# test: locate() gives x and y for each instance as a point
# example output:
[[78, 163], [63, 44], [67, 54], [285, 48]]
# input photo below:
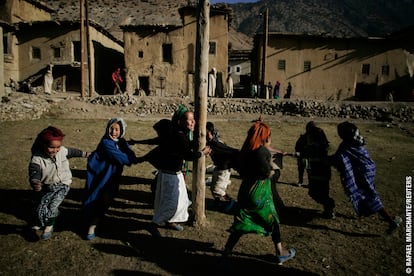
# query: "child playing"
[[50, 175], [312, 150], [171, 198], [105, 167], [357, 171], [257, 213], [224, 158]]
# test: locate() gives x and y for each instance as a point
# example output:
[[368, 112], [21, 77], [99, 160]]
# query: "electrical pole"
[[265, 37]]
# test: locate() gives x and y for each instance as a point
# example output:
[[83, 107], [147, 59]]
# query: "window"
[[76, 51], [306, 66], [167, 53], [7, 44], [238, 69], [57, 52], [365, 69], [385, 70], [281, 65], [140, 54], [212, 48], [36, 53]]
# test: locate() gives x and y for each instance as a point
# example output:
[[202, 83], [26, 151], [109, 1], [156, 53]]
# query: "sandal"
[[175, 226], [47, 235], [90, 237], [397, 221], [282, 259]]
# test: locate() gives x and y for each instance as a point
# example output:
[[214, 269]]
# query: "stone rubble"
[[21, 106]]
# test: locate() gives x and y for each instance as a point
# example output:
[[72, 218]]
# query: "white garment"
[[212, 79], [171, 199], [48, 82], [230, 87], [220, 181]]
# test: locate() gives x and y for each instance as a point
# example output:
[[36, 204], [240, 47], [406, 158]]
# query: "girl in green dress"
[[257, 212]]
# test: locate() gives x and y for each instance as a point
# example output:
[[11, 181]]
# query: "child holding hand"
[[50, 175], [105, 167], [358, 171]]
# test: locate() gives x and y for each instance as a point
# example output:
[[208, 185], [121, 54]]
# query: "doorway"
[[144, 84]]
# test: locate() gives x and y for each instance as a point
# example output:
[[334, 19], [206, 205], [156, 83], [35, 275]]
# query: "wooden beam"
[[200, 112]]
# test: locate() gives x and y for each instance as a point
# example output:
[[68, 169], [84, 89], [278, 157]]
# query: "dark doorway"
[[365, 91], [144, 84], [107, 61]]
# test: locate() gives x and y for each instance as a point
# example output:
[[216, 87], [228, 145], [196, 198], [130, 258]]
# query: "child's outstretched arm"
[[151, 141], [72, 152]]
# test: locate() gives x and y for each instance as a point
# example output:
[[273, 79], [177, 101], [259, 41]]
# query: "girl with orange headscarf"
[[257, 212]]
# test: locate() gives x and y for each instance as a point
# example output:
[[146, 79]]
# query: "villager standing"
[[212, 82], [117, 80], [288, 91], [48, 82], [276, 93], [257, 213], [269, 90], [229, 82], [253, 90]]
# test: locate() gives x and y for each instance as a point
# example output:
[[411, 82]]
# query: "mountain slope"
[[331, 17]]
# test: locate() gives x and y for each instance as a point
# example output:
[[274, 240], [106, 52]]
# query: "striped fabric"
[[358, 175]]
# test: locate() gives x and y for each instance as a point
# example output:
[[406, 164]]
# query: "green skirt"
[[257, 212]]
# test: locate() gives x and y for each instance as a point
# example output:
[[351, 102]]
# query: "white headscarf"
[[121, 123]]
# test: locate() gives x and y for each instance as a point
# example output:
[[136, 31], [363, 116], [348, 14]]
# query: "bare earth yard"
[[346, 245]]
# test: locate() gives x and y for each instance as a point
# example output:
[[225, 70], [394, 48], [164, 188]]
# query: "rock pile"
[[19, 106]]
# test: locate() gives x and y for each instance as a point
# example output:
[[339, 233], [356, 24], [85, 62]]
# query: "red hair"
[[256, 136], [51, 133], [45, 137]]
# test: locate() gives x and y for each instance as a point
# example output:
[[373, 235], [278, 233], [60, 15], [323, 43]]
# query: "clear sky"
[[231, 1]]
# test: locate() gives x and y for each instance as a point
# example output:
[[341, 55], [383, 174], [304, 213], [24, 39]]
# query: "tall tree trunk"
[[200, 100]]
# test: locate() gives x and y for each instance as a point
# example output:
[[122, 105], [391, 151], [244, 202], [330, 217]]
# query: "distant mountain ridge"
[[340, 18], [347, 18]]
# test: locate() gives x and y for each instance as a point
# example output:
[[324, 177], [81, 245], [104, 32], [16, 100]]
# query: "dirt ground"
[[345, 245]]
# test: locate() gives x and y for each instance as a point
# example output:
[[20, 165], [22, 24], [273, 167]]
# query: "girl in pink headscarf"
[[50, 176]]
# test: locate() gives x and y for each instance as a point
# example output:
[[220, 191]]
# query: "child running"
[[224, 158], [257, 212], [50, 175], [105, 167], [357, 171], [312, 152]]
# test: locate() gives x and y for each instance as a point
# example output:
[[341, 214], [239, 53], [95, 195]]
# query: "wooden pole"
[[82, 41], [200, 100], [88, 50], [265, 35]]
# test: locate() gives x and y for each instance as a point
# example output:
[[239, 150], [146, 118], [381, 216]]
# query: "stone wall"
[[20, 106], [385, 111]]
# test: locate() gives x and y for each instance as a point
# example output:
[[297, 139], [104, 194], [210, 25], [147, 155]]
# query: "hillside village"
[[153, 41]]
